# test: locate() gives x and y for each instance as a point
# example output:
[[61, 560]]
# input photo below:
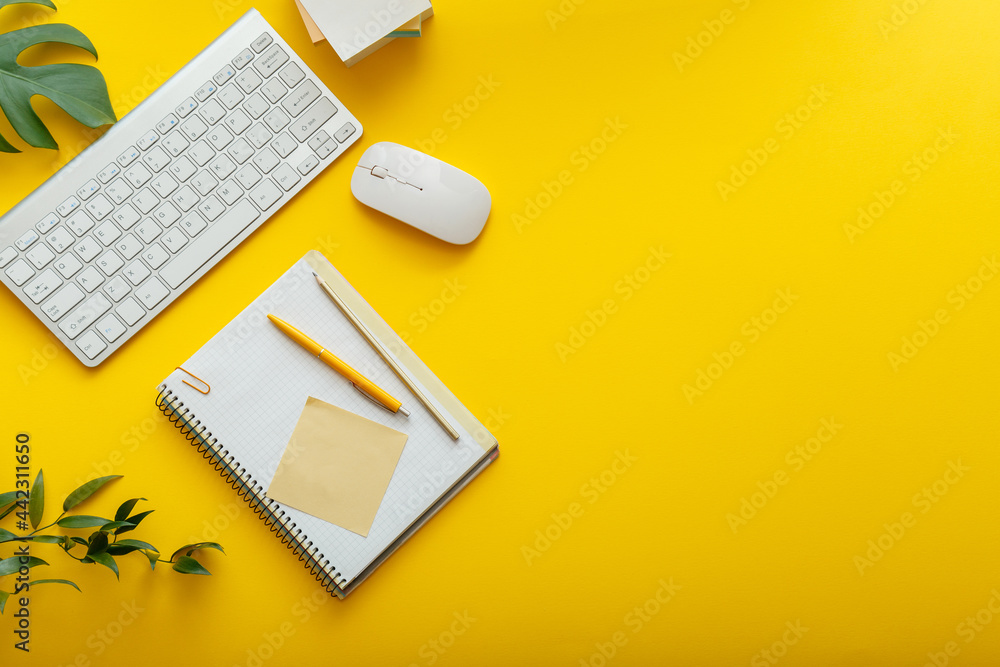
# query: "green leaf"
[[88, 489], [54, 581], [10, 496], [12, 564], [105, 560], [79, 540], [138, 544], [7, 511], [153, 558], [98, 543], [47, 3], [81, 521], [80, 90], [135, 520], [6, 536], [36, 502], [3, 600], [48, 539], [188, 549], [188, 565], [115, 525], [125, 508]]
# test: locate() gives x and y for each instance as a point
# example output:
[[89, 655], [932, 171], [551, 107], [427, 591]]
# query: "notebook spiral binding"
[[266, 509]]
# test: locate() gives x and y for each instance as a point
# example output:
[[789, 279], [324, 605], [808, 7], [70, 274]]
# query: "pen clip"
[[369, 397]]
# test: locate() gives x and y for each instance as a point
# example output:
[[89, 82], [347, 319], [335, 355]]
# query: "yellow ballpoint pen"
[[361, 383]]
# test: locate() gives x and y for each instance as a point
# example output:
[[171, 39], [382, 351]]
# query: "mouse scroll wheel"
[[380, 172]]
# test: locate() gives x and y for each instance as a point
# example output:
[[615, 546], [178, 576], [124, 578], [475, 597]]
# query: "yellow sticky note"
[[337, 466]]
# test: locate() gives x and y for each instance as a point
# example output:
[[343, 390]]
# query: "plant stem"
[[48, 526]]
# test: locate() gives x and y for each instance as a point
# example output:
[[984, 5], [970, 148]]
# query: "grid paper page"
[[260, 381]]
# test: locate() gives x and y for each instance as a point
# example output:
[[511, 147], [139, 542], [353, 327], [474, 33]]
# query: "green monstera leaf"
[[80, 90]]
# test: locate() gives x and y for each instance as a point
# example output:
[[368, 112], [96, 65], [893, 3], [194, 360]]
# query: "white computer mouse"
[[422, 191]]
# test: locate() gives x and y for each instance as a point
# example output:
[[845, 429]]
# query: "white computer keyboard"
[[102, 247]]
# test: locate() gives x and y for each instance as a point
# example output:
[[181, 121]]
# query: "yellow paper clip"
[[207, 388]]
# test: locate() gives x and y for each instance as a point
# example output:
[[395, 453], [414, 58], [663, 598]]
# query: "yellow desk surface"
[[733, 320]]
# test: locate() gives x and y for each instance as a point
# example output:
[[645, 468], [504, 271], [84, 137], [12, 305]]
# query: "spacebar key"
[[211, 241]]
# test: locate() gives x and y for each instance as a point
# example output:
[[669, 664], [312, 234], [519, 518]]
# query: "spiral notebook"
[[258, 382]]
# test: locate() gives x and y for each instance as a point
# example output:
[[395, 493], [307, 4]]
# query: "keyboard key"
[[242, 60], [248, 177], [224, 74], [186, 107], [126, 216], [256, 106], [80, 223], [91, 345], [301, 98], [270, 61], [185, 198], [204, 183], [175, 143], [88, 249], [166, 124], [129, 246], [27, 239], [64, 300], [72, 203], [284, 144], [230, 192], [174, 239], [209, 243], [60, 239], [194, 127], [46, 224], [274, 90], [258, 135], [110, 328], [137, 175], [130, 311], [119, 191], [90, 279], [265, 194], [164, 184], [291, 75], [145, 201], [222, 167], [321, 138], [67, 265], [261, 42], [99, 207], [205, 91], [151, 293], [155, 255], [211, 208], [212, 112], [7, 256], [166, 215], [156, 159], [147, 140], [266, 160], [308, 165], [220, 137], [85, 315], [286, 177], [88, 188], [129, 156], [136, 272], [241, 150], [344, 133], [148, 231], [107, 233], [109, 262], [20, 272], [117, 289], [230, 96], [193, 224], [248, 81], [201, 153], [105, 175], [276, 119], [326, 149], [182, 169], [238, 121], [40, 255], [311, 120], [43, 285]]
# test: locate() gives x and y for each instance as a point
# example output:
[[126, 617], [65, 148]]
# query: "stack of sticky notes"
[[357, 28]]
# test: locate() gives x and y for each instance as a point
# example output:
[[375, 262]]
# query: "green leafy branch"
[[80, 90], [101, 547]]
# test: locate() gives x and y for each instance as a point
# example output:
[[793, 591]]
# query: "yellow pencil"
[[362, 383]]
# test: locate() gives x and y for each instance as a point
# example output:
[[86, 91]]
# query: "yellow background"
[[561, 421]]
